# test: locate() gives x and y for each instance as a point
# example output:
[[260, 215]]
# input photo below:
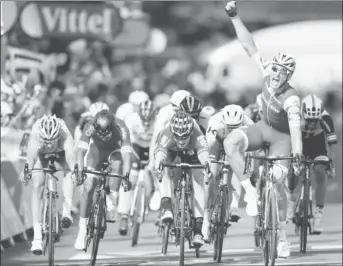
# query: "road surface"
[[325, 249]]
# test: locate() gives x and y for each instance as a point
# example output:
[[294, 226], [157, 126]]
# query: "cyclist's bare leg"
[[199, 202], [321, 181]]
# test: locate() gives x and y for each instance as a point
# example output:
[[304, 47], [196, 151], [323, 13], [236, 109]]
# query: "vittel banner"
[[71, 19]]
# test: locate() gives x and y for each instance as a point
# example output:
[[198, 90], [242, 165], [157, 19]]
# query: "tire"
[[165, 237], [98, 218], [139, 213], [221, 225], [182, 225], [273, 226], [265, 226], [51, 235], [304, 217]]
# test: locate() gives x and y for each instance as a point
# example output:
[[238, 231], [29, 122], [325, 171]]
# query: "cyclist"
[[102, 139], [319, 140], [220, 125], [280, 126], [86, 117], [182, 137], [163, 117], [135, 98], [254, 110], [140, 125], [49, 135]]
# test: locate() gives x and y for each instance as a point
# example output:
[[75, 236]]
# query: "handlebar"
[[183, 166], [310, 161], [51, 169], [269, 159], [224, 163], [127, 185]]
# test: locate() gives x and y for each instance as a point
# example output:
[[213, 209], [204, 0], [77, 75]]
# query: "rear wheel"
[[98, 218]]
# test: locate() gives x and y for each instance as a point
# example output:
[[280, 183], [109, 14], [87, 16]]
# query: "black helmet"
[[192, 106]]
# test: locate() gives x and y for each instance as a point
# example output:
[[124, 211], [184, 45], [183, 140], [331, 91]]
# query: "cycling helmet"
[[147, 111], [161, 100], [181, 125], [97, 107], [104, 123], [192, 106], [49, 127], [178, 96], [136, 97], [312, 107], [285, 61], [233, 115]]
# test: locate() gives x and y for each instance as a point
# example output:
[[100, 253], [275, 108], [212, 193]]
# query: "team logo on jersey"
[[202, 141]]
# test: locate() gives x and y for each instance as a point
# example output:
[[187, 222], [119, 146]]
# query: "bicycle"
[[266, 228], [96, 225], [220, 210], [51, 224], [185, 221], [303, 211], [139, 203]]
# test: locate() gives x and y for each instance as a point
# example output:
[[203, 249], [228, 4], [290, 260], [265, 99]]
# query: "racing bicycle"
[[220, 210], [267, 222], [51, 222], [139, 203], [185, 222], [96, 225], [303, 211]]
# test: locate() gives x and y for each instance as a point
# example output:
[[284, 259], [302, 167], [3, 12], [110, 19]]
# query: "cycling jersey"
[[252, 111], [315, 140], [138, 133], [124, 110], [196, 146], [41, 145], [217, 129], [276, 104], [120, 138]]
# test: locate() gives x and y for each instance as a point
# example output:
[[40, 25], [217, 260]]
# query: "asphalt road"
[[324, 249]]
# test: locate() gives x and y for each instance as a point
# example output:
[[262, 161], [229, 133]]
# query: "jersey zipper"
[[270, 98]]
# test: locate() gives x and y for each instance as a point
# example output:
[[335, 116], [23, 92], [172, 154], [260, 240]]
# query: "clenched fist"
[[231, 9]]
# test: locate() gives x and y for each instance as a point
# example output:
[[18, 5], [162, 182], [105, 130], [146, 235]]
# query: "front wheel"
[[221, 226], [98, 218], [165, 237], [182, 225], [138, 214], [271, 229], [52, 222], [304, 217]]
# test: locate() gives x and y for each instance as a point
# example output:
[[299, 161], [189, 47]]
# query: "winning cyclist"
[[104, 138], [280, 126], [126, 109], [221, 124], [49, 135], [182, 137], [319, 140], [141, 126]]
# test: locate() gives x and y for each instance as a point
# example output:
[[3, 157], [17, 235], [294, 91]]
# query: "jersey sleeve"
[[125, 134], [262, 64], [211, 132], [328, 127], [291, 101], [164, 141], [201, 143], [86, 135]]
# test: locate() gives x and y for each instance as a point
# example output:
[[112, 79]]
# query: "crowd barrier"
[[16, 215]]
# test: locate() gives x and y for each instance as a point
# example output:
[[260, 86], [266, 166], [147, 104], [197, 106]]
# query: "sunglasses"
[[279, 69]]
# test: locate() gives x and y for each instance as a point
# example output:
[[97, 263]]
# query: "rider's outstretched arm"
[[292, 107], [32, 151]]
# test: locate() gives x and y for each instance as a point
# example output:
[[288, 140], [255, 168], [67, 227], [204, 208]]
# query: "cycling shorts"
[[315, 146]]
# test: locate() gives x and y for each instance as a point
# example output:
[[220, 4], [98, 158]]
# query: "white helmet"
[[178, 96], [97, 107], [49, 127], [312, 107], [161, 100], [233, 115], [137, 97], [285, 61]]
